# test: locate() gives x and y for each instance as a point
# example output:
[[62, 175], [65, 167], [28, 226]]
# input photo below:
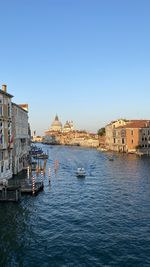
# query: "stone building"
[[21, 132], [56, 125], [68, 127], [130, 136], [68, 136], [112, 133], [6, 134], [138, 136]]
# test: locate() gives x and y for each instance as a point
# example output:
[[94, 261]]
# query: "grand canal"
[[101, 220]]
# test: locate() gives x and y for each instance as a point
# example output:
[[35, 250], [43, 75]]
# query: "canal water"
[[100, 220]]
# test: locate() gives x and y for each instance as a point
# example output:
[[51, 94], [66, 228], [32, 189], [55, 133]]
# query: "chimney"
[[4, 88]]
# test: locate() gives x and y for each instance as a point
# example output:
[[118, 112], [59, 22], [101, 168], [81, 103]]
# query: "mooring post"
[[42, 180], [49, 174], [33, 185], [28, 172]]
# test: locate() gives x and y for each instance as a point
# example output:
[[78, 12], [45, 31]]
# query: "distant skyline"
[[84, 60]]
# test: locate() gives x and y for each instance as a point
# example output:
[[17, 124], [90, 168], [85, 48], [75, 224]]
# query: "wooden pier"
[[11, 190], [27, 188], [10, 193]]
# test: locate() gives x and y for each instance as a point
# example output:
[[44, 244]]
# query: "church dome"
[[56, 124], [68, 126]]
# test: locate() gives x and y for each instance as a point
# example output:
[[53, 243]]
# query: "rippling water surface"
[[100, 220]]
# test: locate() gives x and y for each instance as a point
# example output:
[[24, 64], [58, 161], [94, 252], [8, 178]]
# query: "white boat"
[[80, 172]]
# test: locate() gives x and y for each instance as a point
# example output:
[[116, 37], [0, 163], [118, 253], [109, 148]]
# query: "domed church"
[[56, 125], [68, 127]]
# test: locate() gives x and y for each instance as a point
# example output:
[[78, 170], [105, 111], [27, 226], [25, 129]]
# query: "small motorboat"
[[41, 156], [111, 159], [80, 172]]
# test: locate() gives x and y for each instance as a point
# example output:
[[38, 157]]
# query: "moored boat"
[[40, 156]]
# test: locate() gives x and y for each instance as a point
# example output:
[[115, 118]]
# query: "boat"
[[80, 172], [36, 151], [111, 159], [40, 156]]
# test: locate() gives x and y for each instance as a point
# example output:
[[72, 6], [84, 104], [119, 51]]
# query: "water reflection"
[[102, 220], [13, 225]]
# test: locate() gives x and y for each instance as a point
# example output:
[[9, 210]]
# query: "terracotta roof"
[[136, 124], [19, 106]]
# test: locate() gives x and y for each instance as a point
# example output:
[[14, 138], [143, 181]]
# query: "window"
[[2, 168], [114, 140], [8, 110], [1, 110], [131, 132], [1, 137], [9, 135], [122, 140], [132, 141]]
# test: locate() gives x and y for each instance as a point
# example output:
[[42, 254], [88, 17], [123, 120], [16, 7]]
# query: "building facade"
[[56, 125], [68, 127], [6, 134], [138, 136], [21, 132], [130, 136], [113, 134]]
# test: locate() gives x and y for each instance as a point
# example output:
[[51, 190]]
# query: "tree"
[[101, 131]]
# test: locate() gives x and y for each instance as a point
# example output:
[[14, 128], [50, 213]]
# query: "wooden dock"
[[11, 190], [27, 185], [27, 188], [10, 193]]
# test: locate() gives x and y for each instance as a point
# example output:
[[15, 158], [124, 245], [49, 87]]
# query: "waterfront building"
[[138, 136], [6, 134], [22, 137], [118, 142], [132, 136], [51, 135], [113, 135], [68, 127], [102, 140], [68, 136], [36, 138], [56, 125], [33, 137]]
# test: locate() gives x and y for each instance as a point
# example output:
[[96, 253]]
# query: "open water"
[[100, 220]]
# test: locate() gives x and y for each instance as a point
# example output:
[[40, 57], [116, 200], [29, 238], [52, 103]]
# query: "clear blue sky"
[[86, 60]]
